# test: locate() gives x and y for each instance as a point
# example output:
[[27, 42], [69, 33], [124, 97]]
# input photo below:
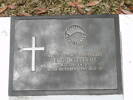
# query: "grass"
[[61, 7]]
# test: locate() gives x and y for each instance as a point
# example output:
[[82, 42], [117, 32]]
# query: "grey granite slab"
[[65, 55]]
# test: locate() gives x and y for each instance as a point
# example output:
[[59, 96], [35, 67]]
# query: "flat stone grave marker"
[[65, 55]]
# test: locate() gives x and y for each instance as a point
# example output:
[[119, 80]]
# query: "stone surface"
[[79, 54]]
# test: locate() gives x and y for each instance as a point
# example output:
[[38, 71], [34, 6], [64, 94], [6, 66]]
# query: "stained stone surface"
[[79, 53]]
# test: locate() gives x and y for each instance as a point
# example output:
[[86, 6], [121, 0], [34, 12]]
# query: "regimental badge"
[[75, 34]]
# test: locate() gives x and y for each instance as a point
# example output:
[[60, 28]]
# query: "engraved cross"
[[33, 49]]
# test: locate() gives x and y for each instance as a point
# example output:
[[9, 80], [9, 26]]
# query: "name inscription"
[[72, 63]]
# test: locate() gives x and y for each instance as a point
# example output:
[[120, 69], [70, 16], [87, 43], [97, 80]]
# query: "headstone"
[[65, 55]]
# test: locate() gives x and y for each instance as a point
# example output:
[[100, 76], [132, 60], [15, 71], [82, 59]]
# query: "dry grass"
[[61, 7]]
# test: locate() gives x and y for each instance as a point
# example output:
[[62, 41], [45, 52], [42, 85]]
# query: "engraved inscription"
[[71, 62]]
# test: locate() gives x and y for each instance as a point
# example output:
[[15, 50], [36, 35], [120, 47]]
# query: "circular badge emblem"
[[75, 34]]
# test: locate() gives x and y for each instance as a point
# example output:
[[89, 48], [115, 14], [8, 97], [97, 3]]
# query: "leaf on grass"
[[118, 12], [41, 11], [90, 12], [93, 3], [3, 9], [24, 14], [131, 8], [76, 4], [80, 10], [125, 11], [72, 4], [12, 6], [80, 6]]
